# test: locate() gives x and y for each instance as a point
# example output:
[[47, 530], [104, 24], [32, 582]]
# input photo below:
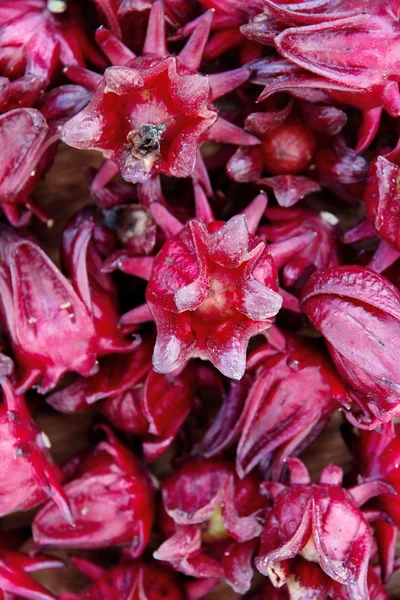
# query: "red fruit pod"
[[226, 294], [111, 504], [50, 328], [321, 522], [149, 114], [293, 396], [145, 138], [358, 312], [213, 520]]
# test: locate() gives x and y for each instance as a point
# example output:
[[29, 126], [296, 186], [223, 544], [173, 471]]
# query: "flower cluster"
[[200, 387]]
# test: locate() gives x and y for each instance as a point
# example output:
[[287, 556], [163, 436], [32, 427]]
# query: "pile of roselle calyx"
[[225, 288]]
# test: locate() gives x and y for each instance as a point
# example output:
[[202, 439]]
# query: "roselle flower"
[[38, 36], [28, 474], [320, 253], [292, 399], [213, 522], [358, 313], [226, 294], [322, 523], [111, 500], [149, 114], [136, 581], [50, 327], [15, 581], [337, 46]]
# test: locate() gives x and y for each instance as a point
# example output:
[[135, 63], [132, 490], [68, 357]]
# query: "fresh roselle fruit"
[[111, 501], [321, 522], [149, 114], [358, 313], [212, 521], [294, 394], [55, 326], [226, 294], [50, 327]]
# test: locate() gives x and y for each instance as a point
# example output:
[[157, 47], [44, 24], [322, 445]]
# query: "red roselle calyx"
[[212, 520], [294, 395], [54, 325], [226, 294], [149, 114], [358, 312], [323, 523], [111, 502]]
